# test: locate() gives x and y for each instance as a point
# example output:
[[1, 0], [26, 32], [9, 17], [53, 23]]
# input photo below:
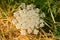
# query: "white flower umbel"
[[23, 32], [29, 30], [17, 26], [14, 21], [27, 19], [22, 5], [36, 31], [42, 25]]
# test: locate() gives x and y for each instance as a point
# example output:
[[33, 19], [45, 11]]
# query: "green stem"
[[52, 16], [51, 12]]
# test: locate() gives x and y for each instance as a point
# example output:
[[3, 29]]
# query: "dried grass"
[[9, 32]]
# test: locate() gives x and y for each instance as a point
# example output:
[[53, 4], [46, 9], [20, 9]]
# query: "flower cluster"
[[27, 19]]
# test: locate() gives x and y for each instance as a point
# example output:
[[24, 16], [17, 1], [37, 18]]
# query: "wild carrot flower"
[[27, 18]]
